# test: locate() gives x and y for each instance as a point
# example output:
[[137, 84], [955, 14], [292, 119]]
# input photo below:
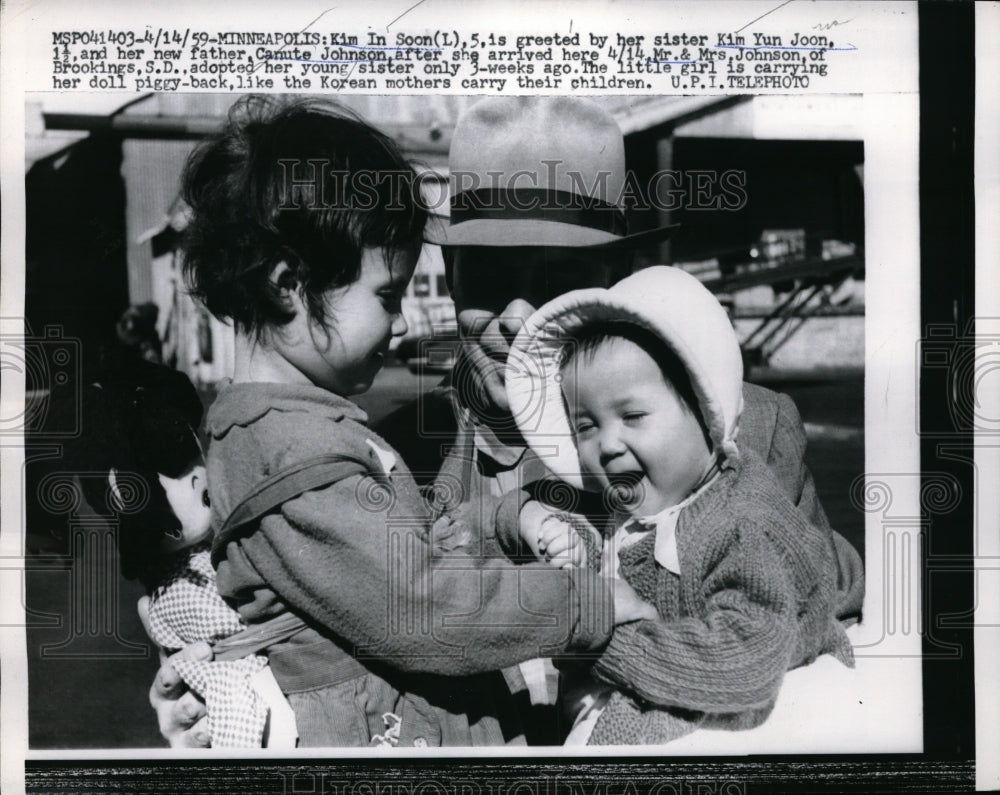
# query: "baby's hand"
[[530, 524], [556, 537], [560, 545]]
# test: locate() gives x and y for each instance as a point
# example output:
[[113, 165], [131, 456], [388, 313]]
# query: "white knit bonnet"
[[666, 301]]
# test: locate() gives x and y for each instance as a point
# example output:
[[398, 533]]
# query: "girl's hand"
[[449, 534], [628, 605], [181, 715]]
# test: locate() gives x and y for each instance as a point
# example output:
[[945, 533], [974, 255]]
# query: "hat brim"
[[533, 232]]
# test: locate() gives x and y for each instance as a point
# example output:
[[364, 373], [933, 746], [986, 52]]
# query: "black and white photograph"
[[583, 397]]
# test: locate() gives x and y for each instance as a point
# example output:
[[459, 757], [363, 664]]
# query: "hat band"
[[540, 204]]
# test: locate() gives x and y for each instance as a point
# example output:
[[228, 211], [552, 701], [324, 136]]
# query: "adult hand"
[[181, 715], [628, 605], [486, 341], [497, 288]]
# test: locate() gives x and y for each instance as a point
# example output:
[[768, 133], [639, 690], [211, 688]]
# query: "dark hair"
[[303, 182], [586, 341], [140, 424]]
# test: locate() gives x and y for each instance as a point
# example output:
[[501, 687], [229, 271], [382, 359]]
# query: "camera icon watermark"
[[51, 366]]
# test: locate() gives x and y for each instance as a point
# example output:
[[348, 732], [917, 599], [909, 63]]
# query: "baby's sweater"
[[755, 597]]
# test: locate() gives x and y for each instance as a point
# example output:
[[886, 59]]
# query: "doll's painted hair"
[[303, 182]]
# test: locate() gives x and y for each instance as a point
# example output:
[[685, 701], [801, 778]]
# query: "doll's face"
[[188, 496]]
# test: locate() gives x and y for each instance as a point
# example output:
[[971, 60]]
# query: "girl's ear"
[[286, 285]]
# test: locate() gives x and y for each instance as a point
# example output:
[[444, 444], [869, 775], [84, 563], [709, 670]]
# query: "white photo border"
[[893, 252]]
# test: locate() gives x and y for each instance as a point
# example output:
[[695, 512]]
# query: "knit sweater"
[[755, 597]]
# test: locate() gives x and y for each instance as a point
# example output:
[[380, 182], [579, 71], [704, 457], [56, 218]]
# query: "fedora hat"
[[538, 171]]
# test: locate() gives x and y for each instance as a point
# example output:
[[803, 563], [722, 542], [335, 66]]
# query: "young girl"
[[639, 390], [146, 468], [306, 229]]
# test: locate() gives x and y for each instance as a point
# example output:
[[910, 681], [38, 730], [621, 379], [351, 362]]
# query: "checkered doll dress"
[[187, 608]]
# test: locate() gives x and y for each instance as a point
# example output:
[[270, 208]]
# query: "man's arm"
[[788, 450], [421, 431]]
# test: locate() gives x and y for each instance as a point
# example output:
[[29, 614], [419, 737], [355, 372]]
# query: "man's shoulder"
[[430, 415], [761, 409], [772, 428], [761, 399]]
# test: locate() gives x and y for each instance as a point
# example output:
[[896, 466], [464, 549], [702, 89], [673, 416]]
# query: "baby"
[[645, 379]]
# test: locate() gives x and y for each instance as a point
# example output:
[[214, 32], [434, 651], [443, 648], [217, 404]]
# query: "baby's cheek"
[[586, 457], [594, 478]]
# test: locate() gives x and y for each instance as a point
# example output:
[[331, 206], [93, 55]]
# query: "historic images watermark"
[[315, 184]]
